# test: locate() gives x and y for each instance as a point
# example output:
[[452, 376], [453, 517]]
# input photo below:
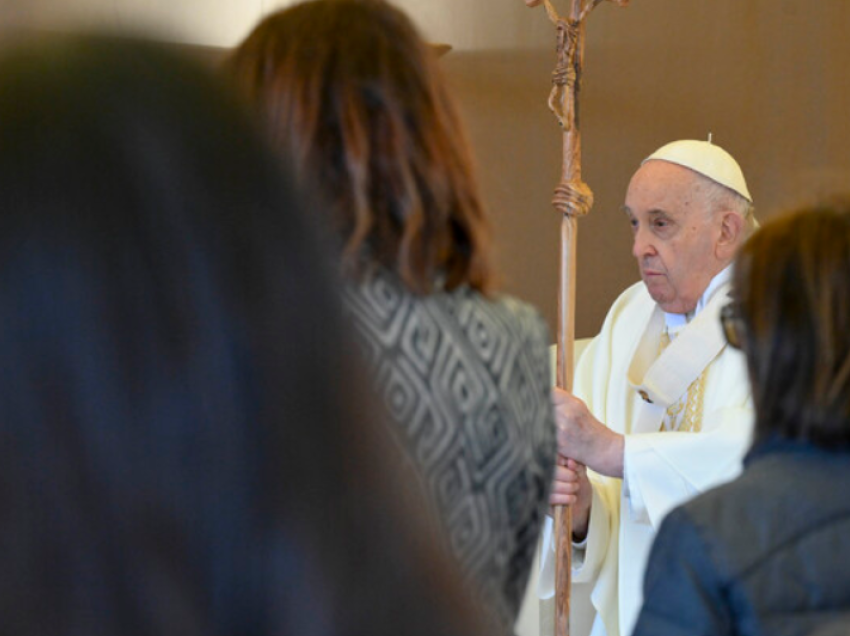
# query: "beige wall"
[[769, 78], [467, 24]]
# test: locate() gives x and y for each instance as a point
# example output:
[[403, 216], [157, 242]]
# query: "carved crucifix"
[[573, 198]]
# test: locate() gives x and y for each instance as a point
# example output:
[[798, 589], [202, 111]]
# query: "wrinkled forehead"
[[663, 186]]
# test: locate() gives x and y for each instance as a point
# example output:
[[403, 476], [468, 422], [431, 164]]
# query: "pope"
[[661, 408]]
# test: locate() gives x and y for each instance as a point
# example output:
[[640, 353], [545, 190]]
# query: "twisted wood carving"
[[573, 198]]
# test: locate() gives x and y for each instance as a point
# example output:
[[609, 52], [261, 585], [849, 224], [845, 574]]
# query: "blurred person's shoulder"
[[787, 493]]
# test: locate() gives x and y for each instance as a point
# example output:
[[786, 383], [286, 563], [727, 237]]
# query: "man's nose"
[[642, 244]]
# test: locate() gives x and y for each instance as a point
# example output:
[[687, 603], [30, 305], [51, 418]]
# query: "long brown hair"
[[356, 102], [792, 280], [188, 445]]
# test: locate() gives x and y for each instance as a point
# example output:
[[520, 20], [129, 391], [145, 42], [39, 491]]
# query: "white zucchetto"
[[706, 159]]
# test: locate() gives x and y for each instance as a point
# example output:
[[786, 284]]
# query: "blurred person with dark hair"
[[354, 99], [769, 553], [186, 446]]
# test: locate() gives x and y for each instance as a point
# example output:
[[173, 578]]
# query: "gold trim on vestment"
[[684, 415]]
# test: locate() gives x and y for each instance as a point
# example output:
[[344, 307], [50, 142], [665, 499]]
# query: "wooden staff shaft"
[[571, 173], [566, 334], [567, 271], [572, 198]]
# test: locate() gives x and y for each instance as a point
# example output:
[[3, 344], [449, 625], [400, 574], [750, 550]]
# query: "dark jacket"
[[767, 554]]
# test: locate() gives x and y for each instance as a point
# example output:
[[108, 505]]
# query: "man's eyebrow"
[[659, 212], [653, 212]]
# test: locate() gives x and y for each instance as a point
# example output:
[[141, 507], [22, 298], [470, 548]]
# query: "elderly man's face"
[[675, 235]]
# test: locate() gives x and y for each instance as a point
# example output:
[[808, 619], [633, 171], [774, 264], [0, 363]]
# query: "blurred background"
[[769, 80]]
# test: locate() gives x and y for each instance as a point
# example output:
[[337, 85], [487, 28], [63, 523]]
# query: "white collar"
[[675, 322]]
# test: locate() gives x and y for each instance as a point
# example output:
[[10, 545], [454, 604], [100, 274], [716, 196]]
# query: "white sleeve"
[[663, 470], [594, 370], [588, 555]]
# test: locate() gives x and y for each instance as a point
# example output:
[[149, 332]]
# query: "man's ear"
[[731, 235]]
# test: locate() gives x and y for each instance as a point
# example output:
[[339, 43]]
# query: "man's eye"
[[660, 223]]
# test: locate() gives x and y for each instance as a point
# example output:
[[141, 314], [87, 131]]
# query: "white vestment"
[[661, 469]]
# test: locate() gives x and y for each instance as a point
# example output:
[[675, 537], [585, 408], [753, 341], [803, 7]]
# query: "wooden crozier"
[[573, 198]]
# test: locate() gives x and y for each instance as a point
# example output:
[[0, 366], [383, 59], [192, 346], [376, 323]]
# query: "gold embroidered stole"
[[673, 376], [684, 415]]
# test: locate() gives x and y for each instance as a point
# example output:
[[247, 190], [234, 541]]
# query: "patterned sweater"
[[465, 379]]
